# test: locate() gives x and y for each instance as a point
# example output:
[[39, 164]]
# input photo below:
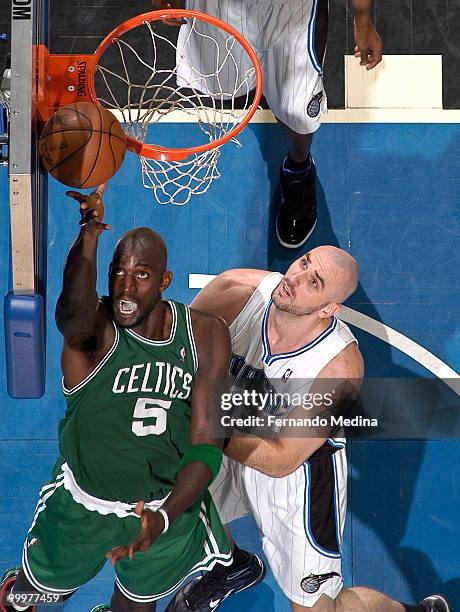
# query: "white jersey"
[[286, 373], [301, 516]]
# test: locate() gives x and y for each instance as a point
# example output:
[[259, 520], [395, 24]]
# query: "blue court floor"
[[390, 194]]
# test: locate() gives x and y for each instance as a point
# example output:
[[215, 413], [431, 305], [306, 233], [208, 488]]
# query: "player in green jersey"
[[136, 456]]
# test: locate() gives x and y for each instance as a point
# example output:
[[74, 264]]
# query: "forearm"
[[275, 458], [362, 8], [191, 481], [263, 455], [78, 301]]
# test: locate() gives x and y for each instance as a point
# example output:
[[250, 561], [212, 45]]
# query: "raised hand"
[[170, 4], [91, 209], [152, 525]]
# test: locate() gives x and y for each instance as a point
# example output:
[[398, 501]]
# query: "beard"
[[294, 309]]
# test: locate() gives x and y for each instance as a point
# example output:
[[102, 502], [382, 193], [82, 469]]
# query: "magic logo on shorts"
[[314, 106], [310, 584]]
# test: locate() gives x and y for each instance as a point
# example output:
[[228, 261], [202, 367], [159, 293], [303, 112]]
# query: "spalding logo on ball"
[[82, 145]]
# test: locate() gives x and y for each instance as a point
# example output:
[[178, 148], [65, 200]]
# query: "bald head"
[[343, 269], [146, 240]]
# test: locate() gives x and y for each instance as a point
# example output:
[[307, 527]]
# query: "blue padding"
[[24, 346]]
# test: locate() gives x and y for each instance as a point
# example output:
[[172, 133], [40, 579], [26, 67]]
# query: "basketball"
[[82, 145]]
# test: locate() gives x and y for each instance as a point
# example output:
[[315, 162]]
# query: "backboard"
[[25, 303]]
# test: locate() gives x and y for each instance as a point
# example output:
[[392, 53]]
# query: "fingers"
[[375, 58], [80, 197], [173, 22], [139, 507], [163, 4], [100, 189], [369, 58], [92, 216], [117, 553]]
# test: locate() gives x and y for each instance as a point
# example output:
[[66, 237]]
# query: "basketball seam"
[[96, 157], [77, 112], [114, 122], [82, 130], [70, 155]]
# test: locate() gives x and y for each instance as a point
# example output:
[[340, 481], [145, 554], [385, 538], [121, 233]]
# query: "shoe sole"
[[293, 246]]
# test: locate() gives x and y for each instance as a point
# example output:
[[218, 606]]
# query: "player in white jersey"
[[289, 37], [286, 338]]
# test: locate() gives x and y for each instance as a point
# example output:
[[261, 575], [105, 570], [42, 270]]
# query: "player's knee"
[[324, 604]]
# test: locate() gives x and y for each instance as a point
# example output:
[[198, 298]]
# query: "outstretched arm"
[[368, 42], [77, 305], [202, 461], [81, 319]]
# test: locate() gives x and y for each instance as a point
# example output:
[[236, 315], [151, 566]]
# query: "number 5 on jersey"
[[148, 408]]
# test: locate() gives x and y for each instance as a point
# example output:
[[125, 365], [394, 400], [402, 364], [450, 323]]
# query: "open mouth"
[[127, 307], [285, 289]]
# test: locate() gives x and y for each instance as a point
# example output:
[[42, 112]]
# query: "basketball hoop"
[[125, 74]]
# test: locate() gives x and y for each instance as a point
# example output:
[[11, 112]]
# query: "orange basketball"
[[82, 145]]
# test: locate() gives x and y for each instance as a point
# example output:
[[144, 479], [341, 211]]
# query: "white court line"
[[378, 329]]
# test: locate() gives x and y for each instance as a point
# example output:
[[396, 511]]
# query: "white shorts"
[[301, 518], [290, 41]]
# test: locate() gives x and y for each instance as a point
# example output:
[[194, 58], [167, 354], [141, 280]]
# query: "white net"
[[177, 94]]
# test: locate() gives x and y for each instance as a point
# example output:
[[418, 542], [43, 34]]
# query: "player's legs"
[[247, 570], [66, 544], [120, 603], [295, 93], [359, 599], [202, 49], [14, 584], [349, 601], [195, 542], [298, 144]]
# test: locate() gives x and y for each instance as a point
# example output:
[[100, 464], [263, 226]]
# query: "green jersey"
[[127, 425]]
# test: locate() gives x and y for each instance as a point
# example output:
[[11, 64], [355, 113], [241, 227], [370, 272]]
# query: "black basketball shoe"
[[296, 217], [6, 585], [436, 603], [207, 593]]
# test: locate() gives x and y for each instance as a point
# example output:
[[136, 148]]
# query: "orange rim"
[[164, 153]]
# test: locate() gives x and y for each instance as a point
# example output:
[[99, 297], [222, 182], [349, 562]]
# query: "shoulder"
[[243, 277], [239, 284], [207, 323], [347, 364], [227, 293], [212, 339]]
